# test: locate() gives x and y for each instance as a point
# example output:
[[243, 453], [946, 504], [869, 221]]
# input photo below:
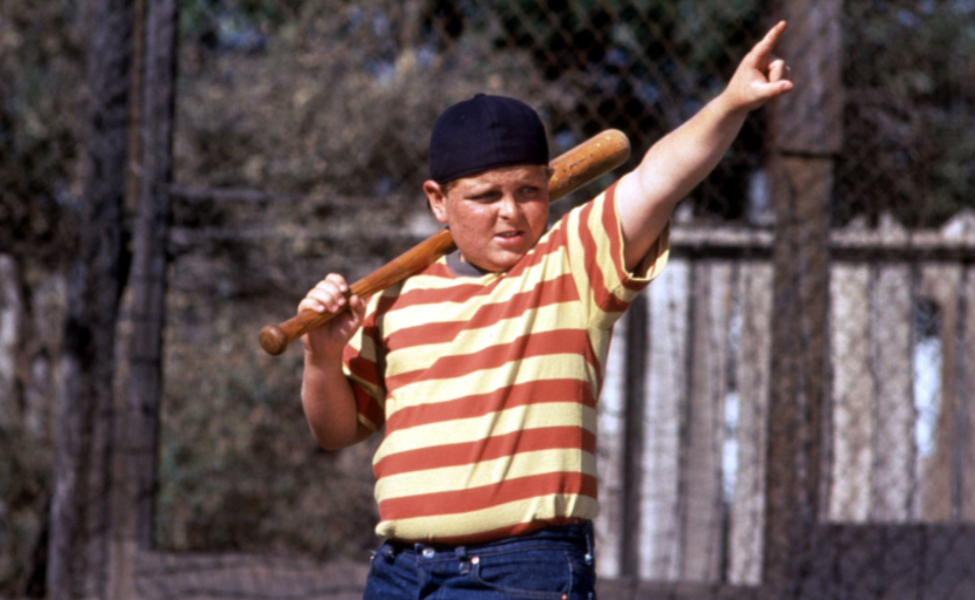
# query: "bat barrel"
[[570, 171]]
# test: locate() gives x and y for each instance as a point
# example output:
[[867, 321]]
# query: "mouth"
[[509, 237]]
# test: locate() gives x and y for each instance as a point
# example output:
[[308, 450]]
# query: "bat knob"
[[273, 340]]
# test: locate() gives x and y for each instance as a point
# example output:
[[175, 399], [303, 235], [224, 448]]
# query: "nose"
[[509, 207]]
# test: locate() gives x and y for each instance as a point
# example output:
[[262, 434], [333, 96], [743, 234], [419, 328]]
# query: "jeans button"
[[429, 552]]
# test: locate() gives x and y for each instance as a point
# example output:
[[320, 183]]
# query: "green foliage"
[[202, 20], [642, 67], [239, 469], [40, 74], [341, 102], [336, 98], [910, 110]]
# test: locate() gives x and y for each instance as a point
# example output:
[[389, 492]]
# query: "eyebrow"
[[482, 189], [489, 188]]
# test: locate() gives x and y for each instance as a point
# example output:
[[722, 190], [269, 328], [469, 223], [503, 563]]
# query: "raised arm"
[[678, 162], [326, 393]]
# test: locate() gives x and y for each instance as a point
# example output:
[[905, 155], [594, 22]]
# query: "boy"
[[485, 367]]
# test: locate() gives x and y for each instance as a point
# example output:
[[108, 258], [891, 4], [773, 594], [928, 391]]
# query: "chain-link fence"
[[327, 110], [335, 101], [789, 405]]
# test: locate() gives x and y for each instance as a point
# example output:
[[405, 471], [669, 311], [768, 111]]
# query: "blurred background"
[[789, 408]]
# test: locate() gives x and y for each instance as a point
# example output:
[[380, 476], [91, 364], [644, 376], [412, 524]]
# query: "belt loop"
[[461, 551]]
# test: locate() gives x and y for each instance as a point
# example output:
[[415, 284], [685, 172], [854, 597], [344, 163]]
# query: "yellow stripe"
[[505, 515], [367, 423], [364, 345], [377, 393], [447, 479], [537, 368], [646, 271], [430, 282], [460, 431], [469, 341], [448, 312]]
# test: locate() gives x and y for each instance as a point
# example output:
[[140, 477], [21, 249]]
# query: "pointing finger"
[[763, 49]]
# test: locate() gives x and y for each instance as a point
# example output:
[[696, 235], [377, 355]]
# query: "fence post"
[[83, 422], [806, 132], [137, 432]]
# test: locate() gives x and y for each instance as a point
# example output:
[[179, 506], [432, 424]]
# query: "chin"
[[504, 265]]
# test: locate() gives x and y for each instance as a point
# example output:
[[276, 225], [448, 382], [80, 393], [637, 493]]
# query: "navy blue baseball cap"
[[484, 133]]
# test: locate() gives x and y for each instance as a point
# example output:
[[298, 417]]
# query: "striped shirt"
[[487, 384]]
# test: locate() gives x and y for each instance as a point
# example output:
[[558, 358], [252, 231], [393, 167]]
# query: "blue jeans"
[[555, 563]]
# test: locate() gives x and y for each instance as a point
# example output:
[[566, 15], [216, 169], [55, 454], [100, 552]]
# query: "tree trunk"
[[79, 510], [138, 423], [807, 134]]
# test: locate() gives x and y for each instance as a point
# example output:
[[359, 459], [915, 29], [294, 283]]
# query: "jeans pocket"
[[538, 573]]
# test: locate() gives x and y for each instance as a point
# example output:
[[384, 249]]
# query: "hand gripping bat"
[[577, 167]]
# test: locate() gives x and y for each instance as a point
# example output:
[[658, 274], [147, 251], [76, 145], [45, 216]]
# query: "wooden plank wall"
[[704, 370]]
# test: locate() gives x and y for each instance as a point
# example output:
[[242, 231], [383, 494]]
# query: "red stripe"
[[358, 365], [601, 295], [368, 407], [465, 290], [553, 243], [438, 269], [478, 405], [612, 228], [593, 360], [655, 252], [455, 293], [488, 496], [526, 346], [361, 367], [469, 453], [614, 234], [545, 293], [387, 300]]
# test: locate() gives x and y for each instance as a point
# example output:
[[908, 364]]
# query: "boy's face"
[[495, 217]]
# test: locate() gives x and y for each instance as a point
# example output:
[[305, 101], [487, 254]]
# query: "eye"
[[485, 197]]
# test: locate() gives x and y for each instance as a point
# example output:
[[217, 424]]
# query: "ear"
[[437, 199]]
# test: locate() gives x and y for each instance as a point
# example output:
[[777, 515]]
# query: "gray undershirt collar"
[[462, 268]]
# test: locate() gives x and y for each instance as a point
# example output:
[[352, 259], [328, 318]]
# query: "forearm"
[[329, 403], [678, 162], [670, 170], [326, 393]]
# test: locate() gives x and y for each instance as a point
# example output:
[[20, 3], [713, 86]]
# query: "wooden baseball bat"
[[595, 157]]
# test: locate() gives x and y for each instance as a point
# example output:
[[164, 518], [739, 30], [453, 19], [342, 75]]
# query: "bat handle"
[[275, 339]]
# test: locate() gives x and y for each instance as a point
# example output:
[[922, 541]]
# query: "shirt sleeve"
[[363, 365], [596, 251]]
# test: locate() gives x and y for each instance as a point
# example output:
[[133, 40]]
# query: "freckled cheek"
[[472, 231], [538, 220], [479, 224]]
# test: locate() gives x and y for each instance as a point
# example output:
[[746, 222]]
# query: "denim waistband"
[[576, 533]]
